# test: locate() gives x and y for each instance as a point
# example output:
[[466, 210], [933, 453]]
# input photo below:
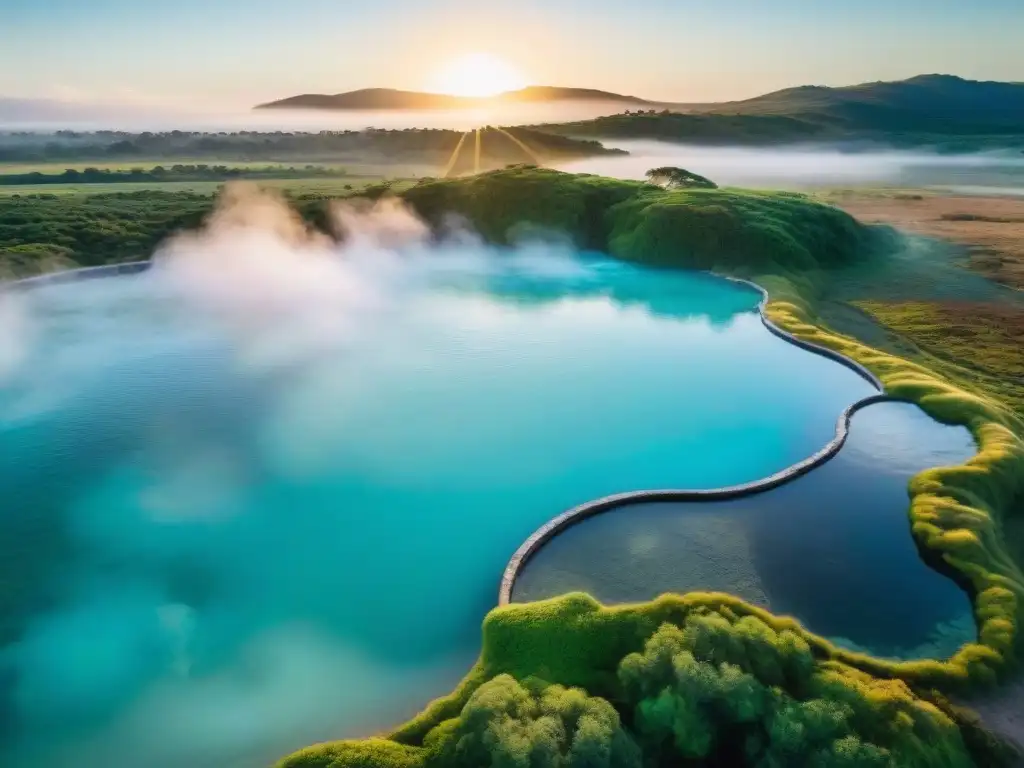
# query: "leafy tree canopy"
[[671, 177]]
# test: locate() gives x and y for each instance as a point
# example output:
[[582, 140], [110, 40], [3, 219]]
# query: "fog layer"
[[810, 166]]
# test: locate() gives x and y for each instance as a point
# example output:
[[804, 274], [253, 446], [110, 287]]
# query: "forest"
[[176, 172], [409, 145]]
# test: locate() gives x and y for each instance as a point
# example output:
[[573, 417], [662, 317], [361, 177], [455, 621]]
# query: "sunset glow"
[[477, 74]]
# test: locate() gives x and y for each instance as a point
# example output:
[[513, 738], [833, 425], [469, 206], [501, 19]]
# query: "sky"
[[233, 53]]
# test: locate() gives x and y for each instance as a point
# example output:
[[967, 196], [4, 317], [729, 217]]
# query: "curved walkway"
[[85, 273], [577, 514]]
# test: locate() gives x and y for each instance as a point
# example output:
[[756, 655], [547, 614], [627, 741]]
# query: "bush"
[[742, 693], [507, 725]]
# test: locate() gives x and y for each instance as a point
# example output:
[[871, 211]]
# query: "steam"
[[15, 331], [195, 626], [258, 488]]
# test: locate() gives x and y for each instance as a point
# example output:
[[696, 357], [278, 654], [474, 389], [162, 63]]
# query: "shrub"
[[742, 693], [506, 724]]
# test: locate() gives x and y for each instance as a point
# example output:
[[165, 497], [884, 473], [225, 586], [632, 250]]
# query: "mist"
[[47, 116], [801, 167], [192, 623]]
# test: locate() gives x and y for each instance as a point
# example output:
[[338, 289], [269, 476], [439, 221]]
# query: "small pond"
[[832, 548]]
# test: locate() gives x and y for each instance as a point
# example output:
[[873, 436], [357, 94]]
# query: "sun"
[[477, 74]]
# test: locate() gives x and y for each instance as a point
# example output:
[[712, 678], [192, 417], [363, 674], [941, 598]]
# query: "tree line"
[[430, 145], [177, 172]]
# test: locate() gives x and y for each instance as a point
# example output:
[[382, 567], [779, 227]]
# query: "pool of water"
[[240, 517], [832, 548]]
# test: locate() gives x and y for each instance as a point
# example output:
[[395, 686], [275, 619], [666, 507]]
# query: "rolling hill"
[[390, 98], [940, 103], [942, 110]]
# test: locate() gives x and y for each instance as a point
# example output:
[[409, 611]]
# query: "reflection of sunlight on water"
[[892, 442]]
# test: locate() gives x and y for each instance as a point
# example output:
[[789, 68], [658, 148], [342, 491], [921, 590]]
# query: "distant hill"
[[389, 98], [940, 110], [936, 103]]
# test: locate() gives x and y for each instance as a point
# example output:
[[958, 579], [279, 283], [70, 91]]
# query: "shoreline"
[[588, 509]]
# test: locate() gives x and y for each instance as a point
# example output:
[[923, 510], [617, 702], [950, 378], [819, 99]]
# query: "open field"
[[357, 166], [977, 345], [338, 186], [357, 175], [56, 166], [934, 300], [991, 229]]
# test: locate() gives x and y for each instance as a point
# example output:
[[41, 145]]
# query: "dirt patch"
[[991, 229]]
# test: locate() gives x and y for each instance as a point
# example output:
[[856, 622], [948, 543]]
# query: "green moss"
[[700, 676], [726, 230], [503, 205], [369, 753]]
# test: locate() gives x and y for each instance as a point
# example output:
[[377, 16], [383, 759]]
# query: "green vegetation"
[[671, 177], [413, 145], [335, 187], [176, 172], [44, 232], [701, 680], [975, 344], [731, 231], [86, 231]]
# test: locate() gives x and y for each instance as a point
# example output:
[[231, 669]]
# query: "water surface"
[[242, 518], [832, 547]]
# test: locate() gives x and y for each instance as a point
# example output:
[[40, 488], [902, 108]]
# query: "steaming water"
[[827, 547], [262, 495]]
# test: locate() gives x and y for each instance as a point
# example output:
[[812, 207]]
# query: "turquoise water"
[[832, 547], [239, 521]]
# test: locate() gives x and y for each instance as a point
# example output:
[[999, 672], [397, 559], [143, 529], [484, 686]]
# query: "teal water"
[[832, 548], [231, 529]]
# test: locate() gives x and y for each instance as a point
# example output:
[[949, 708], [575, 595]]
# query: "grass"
[[975, 344], [57, 166], [337, 187]]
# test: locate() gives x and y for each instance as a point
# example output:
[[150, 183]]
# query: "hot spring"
[[263, 493]]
